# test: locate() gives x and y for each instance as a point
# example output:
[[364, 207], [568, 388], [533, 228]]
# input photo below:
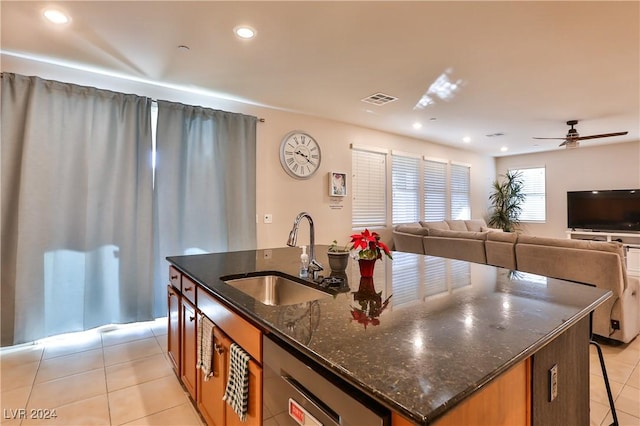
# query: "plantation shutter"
[[369, 189], [406, 186], [533, 186], [435, 190], [460, 192]]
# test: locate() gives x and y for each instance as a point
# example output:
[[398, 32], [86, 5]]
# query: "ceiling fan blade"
[[562, 144], [604, 135], [551, 138]]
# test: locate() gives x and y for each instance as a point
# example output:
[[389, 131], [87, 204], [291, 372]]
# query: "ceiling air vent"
[[379, 99]]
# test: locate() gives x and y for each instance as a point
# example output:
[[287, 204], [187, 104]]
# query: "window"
[[534, 206], [435, 190], [369, 189], [460, 192], [405, 172]]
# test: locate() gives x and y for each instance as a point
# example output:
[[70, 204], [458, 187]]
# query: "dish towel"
[[236, 393], [205, 346]]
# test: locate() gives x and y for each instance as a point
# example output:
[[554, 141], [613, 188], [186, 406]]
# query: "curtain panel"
[[205, 185], [76, 208]]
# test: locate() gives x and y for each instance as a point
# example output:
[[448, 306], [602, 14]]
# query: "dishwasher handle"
[[311, 398]]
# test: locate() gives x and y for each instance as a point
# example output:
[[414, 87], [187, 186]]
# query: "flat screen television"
[[610, 210]]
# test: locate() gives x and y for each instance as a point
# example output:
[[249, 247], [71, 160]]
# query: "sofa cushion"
[[475, 225], [487, 229], [468, 249], [458, 234], [457, 225], [613, 247], [441, 224], [412, 228], [505, 237]]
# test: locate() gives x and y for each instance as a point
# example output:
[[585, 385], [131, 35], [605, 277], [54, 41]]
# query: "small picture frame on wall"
[[337, 184]]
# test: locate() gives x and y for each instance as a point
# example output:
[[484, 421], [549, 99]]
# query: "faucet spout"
[[314, 265]]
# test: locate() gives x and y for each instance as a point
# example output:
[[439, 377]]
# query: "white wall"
[[277, 193], [611, 166]]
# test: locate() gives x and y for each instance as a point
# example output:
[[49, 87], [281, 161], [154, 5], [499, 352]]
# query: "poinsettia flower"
[[369, 245]]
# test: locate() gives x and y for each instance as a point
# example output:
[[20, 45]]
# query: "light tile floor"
[[121, 375], [117, 375]]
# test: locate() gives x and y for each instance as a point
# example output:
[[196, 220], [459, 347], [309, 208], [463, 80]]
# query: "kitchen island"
[[427, 334]]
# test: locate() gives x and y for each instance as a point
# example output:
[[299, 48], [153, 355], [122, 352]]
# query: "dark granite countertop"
[[449, 328]]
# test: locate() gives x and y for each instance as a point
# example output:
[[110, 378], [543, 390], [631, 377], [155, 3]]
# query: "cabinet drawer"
[[189, 289], [237, 328], [174, 277]]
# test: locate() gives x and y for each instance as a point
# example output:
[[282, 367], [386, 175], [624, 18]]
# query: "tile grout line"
[[106, 385], [33, 382]]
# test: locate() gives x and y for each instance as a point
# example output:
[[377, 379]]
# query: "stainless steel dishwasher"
[[295, 394]]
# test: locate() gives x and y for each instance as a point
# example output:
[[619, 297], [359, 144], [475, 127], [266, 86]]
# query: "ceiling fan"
[[573, 138]]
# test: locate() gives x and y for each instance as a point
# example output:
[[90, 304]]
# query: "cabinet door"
[[254, 410], [173, 337], [189, 351], [210, 392]]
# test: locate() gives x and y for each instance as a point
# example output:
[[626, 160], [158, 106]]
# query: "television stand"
[[630, 240]]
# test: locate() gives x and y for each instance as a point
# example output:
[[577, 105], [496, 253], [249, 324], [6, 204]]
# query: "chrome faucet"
[[314, 265]]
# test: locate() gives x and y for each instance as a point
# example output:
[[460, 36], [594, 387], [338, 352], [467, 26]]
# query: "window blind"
[[435, 190], [369, 189], [533, 186], [460, 192], [405, 185]]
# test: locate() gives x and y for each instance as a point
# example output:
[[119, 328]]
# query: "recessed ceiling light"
[[244, 32], [466, 139], [504, 149], [56, 16], [417, 126]]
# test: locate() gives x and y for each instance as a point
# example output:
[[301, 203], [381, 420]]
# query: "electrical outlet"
[[268, 254], [268, 218], [615, 324], [553, 382]]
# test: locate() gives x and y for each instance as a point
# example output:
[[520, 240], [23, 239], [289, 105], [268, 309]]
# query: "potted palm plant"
[[338, 256], [506, 200]]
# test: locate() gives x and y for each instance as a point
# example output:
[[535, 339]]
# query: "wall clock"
[[300, 154]]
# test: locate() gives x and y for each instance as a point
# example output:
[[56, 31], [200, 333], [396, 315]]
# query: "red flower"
[[369, 245]]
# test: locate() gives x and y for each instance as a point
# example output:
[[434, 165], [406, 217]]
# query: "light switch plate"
[[268, 218]]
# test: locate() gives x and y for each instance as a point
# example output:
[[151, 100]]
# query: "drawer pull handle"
[[188, 289], [174, 277], [218, 348], [192, 318]]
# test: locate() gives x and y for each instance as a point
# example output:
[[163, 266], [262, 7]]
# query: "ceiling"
[[512, 70]]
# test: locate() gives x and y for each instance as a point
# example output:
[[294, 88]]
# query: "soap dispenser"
[[304, 262]]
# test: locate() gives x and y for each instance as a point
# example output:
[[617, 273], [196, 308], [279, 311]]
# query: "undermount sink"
[[275, 290]]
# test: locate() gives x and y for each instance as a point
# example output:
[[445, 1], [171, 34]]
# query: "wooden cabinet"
[[569, 403], [186, 301], [210, 402], [174, 326], [216, 411], [188, 370], [254, 409]]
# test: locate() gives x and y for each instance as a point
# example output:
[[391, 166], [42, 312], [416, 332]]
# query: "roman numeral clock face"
[[300, 155]]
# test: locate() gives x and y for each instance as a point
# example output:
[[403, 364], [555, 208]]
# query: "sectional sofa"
[[602, 264]]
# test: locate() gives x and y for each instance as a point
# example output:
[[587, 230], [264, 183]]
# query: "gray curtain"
[[205, 185], [76, 208]]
